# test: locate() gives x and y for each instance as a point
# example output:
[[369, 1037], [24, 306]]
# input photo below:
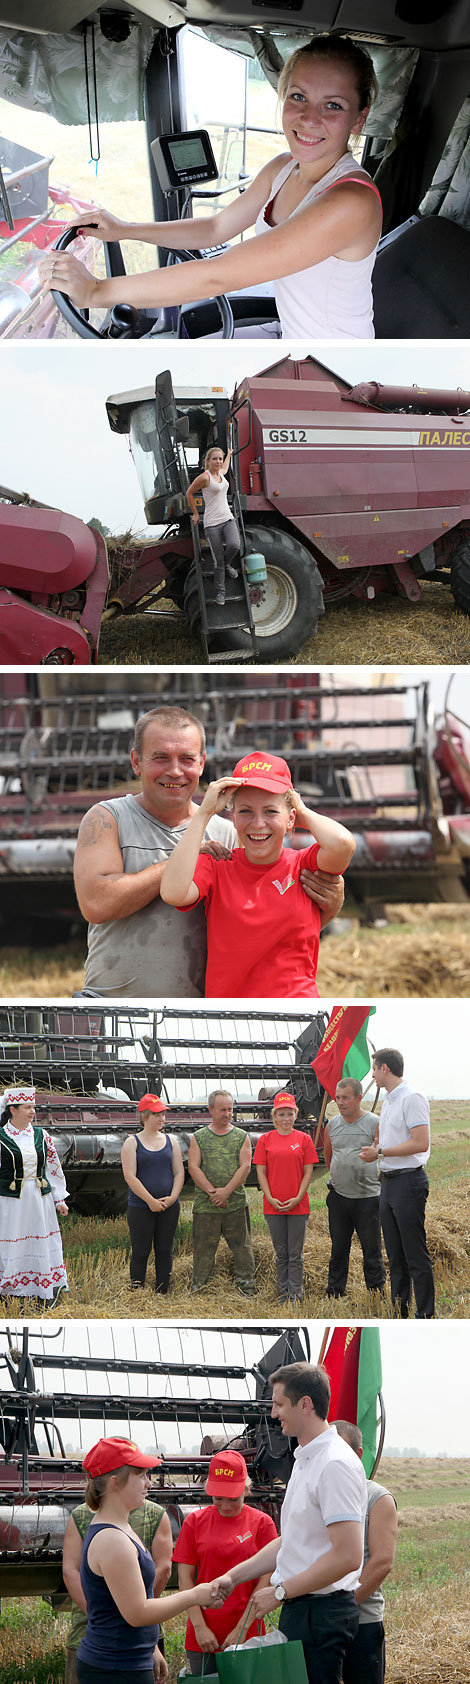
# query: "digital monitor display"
[[187, 153]]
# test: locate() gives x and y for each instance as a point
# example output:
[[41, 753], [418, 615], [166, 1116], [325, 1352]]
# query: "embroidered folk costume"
[[31, 1185]]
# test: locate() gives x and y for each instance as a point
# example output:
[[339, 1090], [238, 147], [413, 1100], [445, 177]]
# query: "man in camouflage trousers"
[[219, 1163]]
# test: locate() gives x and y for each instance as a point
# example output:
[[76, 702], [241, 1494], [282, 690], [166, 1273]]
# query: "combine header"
[[90, 1068], [374, 758], [165, 1385], [337, 491]]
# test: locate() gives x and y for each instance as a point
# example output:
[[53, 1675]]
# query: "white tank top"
[[216, 509], [332, 299]]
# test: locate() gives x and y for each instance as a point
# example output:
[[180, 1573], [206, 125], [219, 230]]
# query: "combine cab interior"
[[162, 67]]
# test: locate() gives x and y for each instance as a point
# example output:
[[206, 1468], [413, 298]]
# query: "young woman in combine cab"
[[316, 216], [118, 1574], [32, 1191], [153, 1168]]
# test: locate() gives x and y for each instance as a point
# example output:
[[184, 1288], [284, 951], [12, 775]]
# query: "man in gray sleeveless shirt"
[[137, 945], [365, 1661], [353, 1197]]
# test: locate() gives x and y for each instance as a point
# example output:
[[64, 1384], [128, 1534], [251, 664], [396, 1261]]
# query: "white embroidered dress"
[[31, 1258]]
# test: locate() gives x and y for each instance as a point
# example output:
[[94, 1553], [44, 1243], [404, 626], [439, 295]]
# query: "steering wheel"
[[124, 321]]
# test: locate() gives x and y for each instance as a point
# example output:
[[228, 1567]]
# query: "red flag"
[[342, 1364], [342, 1030], [354, 1368]]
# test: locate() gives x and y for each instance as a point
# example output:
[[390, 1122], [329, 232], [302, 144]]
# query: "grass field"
[[422, 952], [427, 1594], [97, 1252]]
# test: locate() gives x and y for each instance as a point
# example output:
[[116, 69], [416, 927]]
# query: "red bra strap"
[[361, 182], [360, 179]]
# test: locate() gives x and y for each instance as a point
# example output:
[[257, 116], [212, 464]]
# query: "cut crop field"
[[426, 1596], [421, 952], [385, 632], [96, 1250]]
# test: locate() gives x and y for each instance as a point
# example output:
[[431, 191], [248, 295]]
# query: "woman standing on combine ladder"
[[220, 528]]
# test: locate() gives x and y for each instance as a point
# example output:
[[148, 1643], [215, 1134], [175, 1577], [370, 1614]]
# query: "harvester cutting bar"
[[121, 1365], [186, 1069], [316, 751], [157, 1411], [79, 1053], [71, 1487], [178, 690], [178, 1117], [89, 1024], [47, 1477], [237, 1016]]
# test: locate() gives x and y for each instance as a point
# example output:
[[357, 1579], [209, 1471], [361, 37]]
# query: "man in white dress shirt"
[[315, 1565], [402, 1146]]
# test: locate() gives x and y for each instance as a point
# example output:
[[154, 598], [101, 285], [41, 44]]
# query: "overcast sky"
[[433, 1035], [55, 439], [426, 1374]]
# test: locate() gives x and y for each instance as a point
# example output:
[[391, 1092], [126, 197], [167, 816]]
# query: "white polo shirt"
[[403, 1110], [327, 1484]]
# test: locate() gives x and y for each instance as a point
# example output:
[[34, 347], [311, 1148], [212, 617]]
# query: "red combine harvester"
[[376, 758], [90, 1068], [338, 491]]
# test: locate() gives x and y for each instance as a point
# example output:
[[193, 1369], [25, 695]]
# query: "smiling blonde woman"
[[317, 216]]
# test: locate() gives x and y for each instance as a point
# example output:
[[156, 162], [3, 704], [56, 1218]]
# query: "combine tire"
[[460, 576], [285, 610]]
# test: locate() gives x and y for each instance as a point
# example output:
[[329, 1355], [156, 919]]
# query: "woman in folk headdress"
[[32, 1190]]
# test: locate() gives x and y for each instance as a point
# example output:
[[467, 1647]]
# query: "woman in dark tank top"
[[153, 1168], [118, 1574]]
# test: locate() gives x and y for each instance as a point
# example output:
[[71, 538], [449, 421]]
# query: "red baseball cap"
[[264, 771], [281, 1099], [150, 1102], [112, 1453], [227, 1475]]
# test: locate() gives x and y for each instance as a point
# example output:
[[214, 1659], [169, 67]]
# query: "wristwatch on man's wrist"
[[280, 1593]]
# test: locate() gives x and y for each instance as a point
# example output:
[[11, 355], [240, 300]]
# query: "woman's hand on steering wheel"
[[76, 291], [101, 225], [60, 272]]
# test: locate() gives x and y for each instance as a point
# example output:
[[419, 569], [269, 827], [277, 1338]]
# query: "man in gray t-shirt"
[[365, 1661], [137, 944], [353, 1195]]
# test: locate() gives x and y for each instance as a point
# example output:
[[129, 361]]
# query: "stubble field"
[[420, 952]]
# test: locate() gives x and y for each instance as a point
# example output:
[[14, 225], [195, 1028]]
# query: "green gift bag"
[[280, 1663]]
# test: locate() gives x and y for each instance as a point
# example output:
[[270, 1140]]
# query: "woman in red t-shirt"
[[284, 1160], [211, 1541]]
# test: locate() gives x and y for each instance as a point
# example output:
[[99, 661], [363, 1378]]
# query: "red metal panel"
[[338, 463], [44, 550], [28, 633]]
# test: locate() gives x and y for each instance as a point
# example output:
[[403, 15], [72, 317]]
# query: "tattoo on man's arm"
[[93, 826]]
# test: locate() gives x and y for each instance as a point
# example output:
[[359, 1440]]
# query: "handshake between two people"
[[262, 1602]]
